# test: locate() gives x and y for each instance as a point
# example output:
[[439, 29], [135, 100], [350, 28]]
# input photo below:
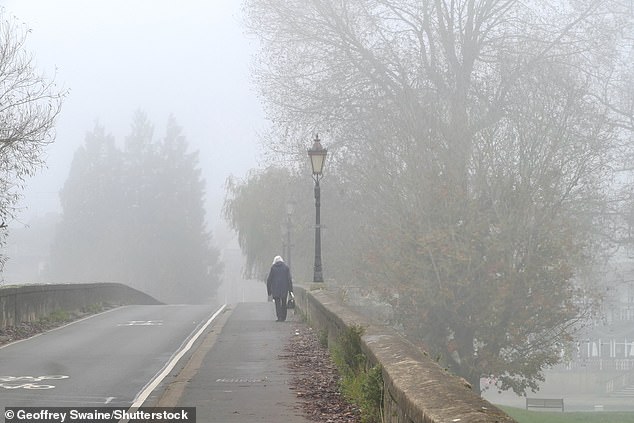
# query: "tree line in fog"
[[136, 215], [132, 214]]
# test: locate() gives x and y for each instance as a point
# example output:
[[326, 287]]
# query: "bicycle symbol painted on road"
[[26, 382]]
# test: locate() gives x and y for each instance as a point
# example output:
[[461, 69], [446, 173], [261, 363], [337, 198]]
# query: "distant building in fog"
[[608, 343]]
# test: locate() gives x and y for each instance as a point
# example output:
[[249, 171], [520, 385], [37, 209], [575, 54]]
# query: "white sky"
[[189, 58]]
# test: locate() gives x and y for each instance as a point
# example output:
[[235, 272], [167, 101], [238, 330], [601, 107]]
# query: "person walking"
[[278, 284]]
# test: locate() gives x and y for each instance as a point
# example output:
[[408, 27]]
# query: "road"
[[106, 359]]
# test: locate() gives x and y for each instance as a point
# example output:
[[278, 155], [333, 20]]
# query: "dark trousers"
[[280, 308]]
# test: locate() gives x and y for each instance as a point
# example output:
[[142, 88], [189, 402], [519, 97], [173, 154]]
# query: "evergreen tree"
[[88, 233], [137, 216], [183, 241]]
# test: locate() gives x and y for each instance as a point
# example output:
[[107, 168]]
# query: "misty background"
[[187, 60], [493, 171], [190, 60]]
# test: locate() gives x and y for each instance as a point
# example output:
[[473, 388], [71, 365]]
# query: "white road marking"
[[158, 378], [60, 327], [142, 323], [29, 379]]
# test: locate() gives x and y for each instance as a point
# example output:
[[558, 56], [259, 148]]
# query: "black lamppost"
[[285, 237], [317, 156], [286, 231]]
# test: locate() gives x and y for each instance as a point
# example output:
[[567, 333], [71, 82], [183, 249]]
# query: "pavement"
[[235, 373]]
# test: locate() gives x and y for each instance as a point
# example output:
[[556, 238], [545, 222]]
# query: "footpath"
[[236, 374]]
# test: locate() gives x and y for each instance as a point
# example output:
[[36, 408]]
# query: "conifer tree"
[[137, 216]]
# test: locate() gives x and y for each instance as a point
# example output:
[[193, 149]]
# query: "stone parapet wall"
[[416, 388], [27, 303]]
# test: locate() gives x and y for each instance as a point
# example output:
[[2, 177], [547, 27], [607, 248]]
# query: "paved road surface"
[[106, 359]]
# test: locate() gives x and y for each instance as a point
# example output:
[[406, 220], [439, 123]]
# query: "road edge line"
[[175, 389], [158, 378], [81, 319]]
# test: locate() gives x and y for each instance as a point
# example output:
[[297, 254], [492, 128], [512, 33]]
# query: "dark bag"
[[291, 301]]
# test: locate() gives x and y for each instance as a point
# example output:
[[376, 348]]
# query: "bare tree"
[[478, 138], [29, 104]]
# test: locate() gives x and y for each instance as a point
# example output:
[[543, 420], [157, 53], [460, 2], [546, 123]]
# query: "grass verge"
[[361, 384], [526, 416]]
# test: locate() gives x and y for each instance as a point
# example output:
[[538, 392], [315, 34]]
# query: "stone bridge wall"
[[416, 389], [28, 303]]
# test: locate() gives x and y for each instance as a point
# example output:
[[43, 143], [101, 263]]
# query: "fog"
[[190, 59], [479, 171]]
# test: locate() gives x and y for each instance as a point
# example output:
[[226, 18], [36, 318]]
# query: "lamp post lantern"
[[317, 156]]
